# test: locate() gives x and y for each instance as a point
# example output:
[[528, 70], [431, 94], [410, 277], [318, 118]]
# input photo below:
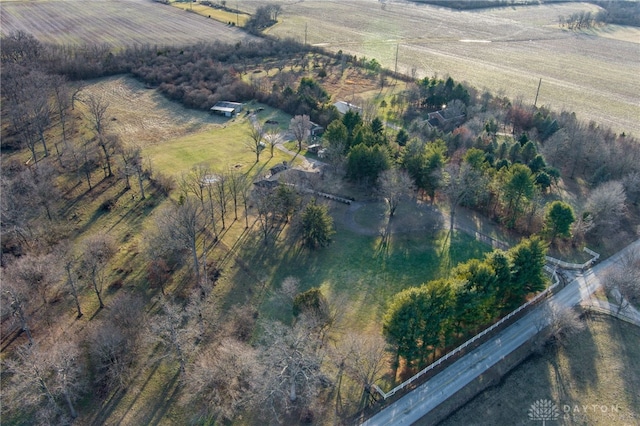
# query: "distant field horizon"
[[593, 73], [506, 51]]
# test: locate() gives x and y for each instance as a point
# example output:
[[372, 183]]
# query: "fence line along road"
[[429, 395], [502, 245], [401, 386]]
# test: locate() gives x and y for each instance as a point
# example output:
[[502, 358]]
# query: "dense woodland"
[[508, 160]]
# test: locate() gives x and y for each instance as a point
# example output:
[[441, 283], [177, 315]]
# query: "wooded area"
[[514, 163]]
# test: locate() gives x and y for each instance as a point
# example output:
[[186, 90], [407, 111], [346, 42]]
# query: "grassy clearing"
[[145, 117], [361, 271], [598, 367], [222, 148]]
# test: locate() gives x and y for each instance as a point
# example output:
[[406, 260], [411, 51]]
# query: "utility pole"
[[396, 68], [537, 92], [305, 33]]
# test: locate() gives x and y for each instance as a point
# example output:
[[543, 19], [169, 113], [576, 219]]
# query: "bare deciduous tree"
[[237, 182], [563, 322], [113, 341], [394, 185], [97, 250], [461, 184], [221, 380], [623, 281], [273, 138], [39, 273], [131, 165], [256, 134], [97, 113], [171, 329], [363, 358], [45, 378], [88, 161], [292, 358], [183, 225], [631, 184], [264, 201], [69, 261], [220, 187], [606, 204], [300, 126], [16, 300]]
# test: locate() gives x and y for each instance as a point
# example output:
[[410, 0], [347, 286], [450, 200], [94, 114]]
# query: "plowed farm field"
[[505, 50], [117, 23]]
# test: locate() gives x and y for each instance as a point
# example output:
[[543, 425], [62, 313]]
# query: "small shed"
[[228, 109]]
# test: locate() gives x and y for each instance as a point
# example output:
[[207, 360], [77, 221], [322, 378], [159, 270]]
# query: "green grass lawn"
[[360, 273], [223, 147]]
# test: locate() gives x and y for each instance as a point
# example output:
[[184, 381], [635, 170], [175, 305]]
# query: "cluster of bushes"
[[619, 12]]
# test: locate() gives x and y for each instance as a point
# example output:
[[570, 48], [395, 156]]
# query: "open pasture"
[[116, 23], [143, 116], [507, 50], [175, 138]]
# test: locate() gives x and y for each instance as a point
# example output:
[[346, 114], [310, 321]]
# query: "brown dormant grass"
[[593, 379], [145, 117], [117, 23]]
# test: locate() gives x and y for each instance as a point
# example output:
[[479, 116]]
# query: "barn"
[[228, 109]]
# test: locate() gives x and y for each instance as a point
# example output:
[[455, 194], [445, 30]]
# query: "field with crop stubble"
[[117, 23], [505, 50]]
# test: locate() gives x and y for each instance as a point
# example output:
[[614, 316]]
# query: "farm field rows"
[[117, 23], [593, 73], [506, 50]]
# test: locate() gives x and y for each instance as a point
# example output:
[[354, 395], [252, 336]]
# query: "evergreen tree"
[[317, 225], [527, 263], [558, 219]]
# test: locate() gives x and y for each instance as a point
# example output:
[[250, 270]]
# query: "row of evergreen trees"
[[423, 320]]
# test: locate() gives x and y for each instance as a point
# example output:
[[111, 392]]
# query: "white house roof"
[[226, 106], [222, 109], [344, 107]]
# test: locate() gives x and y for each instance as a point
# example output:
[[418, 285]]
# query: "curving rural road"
[[417, 403]]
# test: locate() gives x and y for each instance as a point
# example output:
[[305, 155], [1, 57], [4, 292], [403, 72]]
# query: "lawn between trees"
[[243, 267]]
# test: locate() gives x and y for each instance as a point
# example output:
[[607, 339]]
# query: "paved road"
[[429, 395]]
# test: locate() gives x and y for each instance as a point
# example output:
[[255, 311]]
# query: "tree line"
[[470, 165], [423, 321]]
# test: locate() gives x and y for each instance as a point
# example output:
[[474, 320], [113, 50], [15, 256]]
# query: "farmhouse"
[[315, 129], [228, 109], [344, 107], [443, 118]]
